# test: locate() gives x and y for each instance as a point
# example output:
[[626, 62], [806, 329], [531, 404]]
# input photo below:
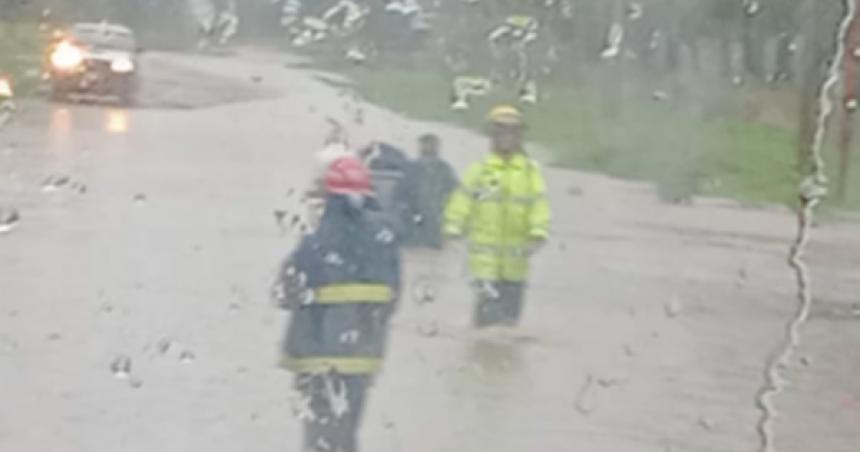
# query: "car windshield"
[[105, 37], [430, 225]]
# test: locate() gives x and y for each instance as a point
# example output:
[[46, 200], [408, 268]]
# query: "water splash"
[[812, 191]]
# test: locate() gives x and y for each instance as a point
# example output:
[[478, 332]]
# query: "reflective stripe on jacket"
[[501, 206]]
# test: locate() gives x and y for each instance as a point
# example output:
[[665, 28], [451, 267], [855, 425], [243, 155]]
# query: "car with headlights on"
[[95, 59]]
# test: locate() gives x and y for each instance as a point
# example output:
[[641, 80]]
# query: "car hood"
[[108, 55]]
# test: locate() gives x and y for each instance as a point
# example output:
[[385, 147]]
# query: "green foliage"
[[20, 46]]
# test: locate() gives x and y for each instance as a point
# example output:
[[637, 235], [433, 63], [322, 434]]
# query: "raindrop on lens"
[[350, 337], [673, 308], [163, 345], [187, 357], [9, 219], [121, 367]]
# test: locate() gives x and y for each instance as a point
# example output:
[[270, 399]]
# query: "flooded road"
[[135, 312]]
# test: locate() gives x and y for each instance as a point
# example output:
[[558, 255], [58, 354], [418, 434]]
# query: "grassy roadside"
[[20, 54], [680, 151]]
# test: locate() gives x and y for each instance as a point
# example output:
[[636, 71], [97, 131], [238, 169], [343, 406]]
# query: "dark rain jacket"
[[436, 181], [341, 284], [395, 185]]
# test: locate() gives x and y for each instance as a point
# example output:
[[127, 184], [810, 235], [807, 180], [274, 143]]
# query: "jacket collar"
[[518, 160]]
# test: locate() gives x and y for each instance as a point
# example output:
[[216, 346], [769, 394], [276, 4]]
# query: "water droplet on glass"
[[55, 337], [609, 382], [356, 56], [811, 189], [8, 344], [752, 7], [54, 182], [279, 216], [385, 236], [805, 361], [486, 290], [350, 337], [424, 293], [121, 367], [851, 105], [529, 93], [163, 346], [9, 219], [187, 357], [629, 351], [634, 11], [139, 199], [323, 445], [673, 307], [613, 42], [707, 424], [135, 383], [659, 95], [333, 258]]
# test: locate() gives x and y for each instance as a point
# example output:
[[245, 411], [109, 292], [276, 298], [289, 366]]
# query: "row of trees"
[[783, 44]]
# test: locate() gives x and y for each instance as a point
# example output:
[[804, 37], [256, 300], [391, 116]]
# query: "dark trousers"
[[336, 403], [499, 303]]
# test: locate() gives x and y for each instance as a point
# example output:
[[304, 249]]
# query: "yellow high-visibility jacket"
[[502, 207]]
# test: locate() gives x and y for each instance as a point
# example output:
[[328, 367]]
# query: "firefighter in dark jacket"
[[341, 285]]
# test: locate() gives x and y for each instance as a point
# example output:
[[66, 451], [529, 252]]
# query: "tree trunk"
[[752, 46]]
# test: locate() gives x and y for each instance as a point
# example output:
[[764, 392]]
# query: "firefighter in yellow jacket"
[[502, 210]]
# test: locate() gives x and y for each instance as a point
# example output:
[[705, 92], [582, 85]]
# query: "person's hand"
[[534, 246]]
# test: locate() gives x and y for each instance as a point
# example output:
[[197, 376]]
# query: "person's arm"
[[539, 215], [459, 208]]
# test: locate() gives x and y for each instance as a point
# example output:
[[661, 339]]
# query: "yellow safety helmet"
[[506, 115]]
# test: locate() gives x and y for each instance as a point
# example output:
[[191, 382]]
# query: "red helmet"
[[347, 175]]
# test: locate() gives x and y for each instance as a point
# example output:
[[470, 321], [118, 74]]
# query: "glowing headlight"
[[66, 56], [5, 88], [122, 65]]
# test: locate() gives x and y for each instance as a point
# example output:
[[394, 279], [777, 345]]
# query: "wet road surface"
[[147, 243]]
